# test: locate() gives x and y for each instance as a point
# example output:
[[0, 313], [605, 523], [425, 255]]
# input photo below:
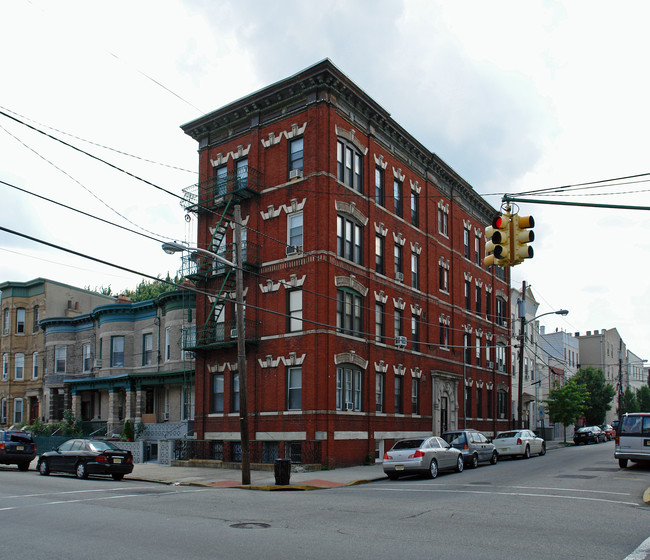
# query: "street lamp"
[[522, 343], [174, 247]]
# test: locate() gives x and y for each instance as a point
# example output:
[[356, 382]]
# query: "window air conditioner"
[[233, 333], [166, 416], [293, 249], [97, 363], [399, 276], [295, 174], [400, 342], [349, 406], [490, 365]]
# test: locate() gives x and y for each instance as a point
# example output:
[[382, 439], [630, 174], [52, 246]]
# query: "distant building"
[[124, 361], [606, 351], [23, 305], [635, 376], [369, 314], [560, 355]]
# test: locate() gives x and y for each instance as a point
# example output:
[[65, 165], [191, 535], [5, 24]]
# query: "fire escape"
[[214, 201]]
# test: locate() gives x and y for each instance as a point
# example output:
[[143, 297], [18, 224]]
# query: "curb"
[[646, 496]]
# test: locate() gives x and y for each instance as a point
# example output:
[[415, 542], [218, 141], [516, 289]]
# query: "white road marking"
[[92, 499], [526, 494], [642, 552]]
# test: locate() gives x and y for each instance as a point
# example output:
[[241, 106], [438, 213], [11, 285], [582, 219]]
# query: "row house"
[[22, 306], [559, 353], [369, 315], [124, 361]]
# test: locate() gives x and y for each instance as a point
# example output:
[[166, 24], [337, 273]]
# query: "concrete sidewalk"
[[265, 480]]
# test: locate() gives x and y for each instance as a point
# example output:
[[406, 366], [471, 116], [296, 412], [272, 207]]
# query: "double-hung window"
[[398, 323], [5, 321], [147, 349], [5, 367], [349, 165], [20, 320], [380, 325], [296, 154], [349, 317], [220, 180], [348, 388], [415, 332], [397, 197], [117, 351], [349, 239], [294, 388], [234, 392], [399, 398], [380, 383], [86, 358], [415, 396], [35, 365], [466, 242], [60, 359], [36, 319], [19, 367], [294, 227], [379, 186], [216, 393], [379, 254], [294, 310], [415, 271], [415, 209], [399, 266], [468, 288], [241, 173]]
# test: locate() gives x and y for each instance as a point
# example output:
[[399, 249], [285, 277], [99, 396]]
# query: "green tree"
[[600, 392], [643, 398], [629, 402], [150, 290], [566, 404]]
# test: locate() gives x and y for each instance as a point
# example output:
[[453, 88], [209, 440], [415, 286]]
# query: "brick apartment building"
[[369, 315]]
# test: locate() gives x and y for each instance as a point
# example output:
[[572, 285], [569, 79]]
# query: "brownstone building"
[[369, 315]]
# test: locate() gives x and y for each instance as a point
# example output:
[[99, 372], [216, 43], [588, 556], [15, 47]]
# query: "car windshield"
[[582, 430], [506, 435], [101, 445], [408, 444], [455, 438]]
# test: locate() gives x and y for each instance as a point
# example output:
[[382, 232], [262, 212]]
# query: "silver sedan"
[[519, 442], [423, 455]]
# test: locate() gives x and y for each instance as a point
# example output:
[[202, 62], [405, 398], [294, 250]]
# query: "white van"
[[633, 438]]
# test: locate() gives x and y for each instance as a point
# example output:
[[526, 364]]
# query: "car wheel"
[[392, 475], [527, 453], [43, 467], [474, 461], [622, 463], [117, 476], [81, 470], [433, 469], [494, 458], [542, 451], [460, 464], [23, 466]]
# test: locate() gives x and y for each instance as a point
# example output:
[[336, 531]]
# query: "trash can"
[[282, 471]]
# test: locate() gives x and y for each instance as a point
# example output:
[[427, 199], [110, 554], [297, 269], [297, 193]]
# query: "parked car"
[[424, 455], [83, 457], [588, 434], [633, 438], [17, 448], [519, 442], [610, 433], [474, 446]]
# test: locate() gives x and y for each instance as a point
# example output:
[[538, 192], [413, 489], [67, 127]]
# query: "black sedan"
[[87, 456], [588, 434]]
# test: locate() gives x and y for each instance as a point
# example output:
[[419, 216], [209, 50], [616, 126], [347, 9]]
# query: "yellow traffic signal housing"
[[497, 241], [522, 234]]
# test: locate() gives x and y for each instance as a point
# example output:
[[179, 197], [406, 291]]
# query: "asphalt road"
[[571, 503]]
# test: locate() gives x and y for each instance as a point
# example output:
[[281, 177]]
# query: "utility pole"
[[620, 377], [522, 342], [241, 350]]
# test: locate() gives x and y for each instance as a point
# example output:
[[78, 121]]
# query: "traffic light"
[[522, 234], [497, 241]]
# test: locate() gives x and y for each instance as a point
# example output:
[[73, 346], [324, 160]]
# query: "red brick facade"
[[338, 355]]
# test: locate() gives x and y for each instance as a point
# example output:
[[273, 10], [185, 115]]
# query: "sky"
[[514, 96]]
